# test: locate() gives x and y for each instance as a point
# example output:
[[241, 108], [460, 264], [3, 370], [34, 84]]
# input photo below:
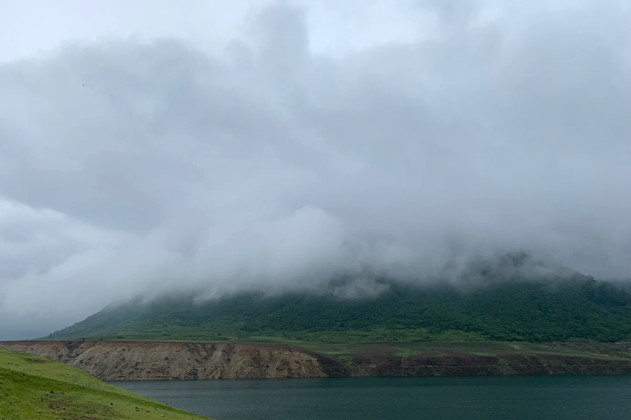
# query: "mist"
[[133, 166]]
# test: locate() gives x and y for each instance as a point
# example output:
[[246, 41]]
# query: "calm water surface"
[[553, 397]]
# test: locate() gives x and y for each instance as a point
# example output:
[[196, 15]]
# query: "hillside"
[[498, 308], [160, 360], [35, 387], [123, 360]]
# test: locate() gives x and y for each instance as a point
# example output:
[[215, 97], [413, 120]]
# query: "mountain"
[[513, 299]]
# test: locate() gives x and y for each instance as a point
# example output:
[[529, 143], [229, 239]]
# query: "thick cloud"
[[132, 167]]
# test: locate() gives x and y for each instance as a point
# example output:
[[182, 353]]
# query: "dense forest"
[[536, 309]]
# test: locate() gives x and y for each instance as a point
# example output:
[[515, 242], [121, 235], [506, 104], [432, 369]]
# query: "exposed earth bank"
[[130, 360]]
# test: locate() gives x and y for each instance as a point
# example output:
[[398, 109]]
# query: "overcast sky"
[[153, 146]]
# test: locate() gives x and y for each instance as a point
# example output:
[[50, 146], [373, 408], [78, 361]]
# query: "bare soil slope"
[[114, 360], [130, 360]]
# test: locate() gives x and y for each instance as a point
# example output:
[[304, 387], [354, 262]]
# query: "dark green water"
[[550, 397]]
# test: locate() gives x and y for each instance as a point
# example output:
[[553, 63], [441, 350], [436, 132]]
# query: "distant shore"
[[159, 360]]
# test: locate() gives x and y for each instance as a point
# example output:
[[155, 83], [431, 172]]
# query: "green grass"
[[33, 387]]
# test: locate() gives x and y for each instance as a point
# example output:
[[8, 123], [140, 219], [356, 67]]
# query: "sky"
[[150, 147]]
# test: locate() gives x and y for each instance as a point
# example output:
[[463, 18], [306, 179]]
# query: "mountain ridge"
[[503, 305]]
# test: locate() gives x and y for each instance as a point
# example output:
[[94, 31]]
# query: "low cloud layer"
[[132, 167]]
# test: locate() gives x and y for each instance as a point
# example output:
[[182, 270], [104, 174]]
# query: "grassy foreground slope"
[[33, 387]]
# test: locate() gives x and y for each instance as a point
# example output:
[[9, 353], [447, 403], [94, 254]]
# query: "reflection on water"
[[557, 397]]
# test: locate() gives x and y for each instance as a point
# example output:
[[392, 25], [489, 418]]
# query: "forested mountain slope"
[[537, 310]]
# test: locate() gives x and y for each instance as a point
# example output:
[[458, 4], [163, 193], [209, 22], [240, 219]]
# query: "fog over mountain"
[[306, 141]]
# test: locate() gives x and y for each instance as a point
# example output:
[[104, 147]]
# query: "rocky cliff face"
[[174, 360], [127, 360], [471, 365]]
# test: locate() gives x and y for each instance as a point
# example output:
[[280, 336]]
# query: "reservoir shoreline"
[[163, 360]]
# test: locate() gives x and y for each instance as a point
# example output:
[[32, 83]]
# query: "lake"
[[506, 397]]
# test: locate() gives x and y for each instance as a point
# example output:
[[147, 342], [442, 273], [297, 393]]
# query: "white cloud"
[[142, 165]]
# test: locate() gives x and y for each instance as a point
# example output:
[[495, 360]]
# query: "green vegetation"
[[576, 308], [33, 387]]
